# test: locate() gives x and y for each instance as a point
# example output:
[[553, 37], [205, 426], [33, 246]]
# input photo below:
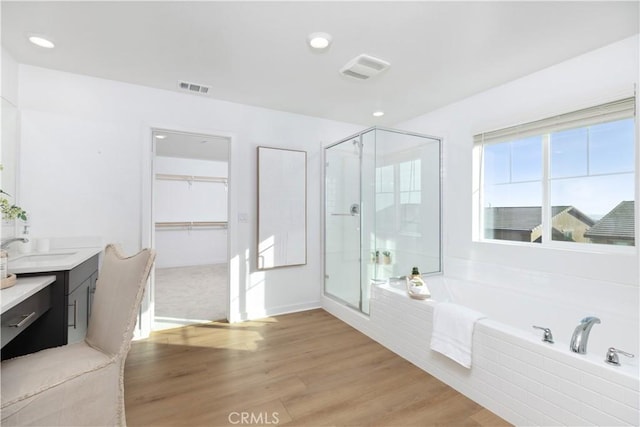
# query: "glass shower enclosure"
[[382, 211]]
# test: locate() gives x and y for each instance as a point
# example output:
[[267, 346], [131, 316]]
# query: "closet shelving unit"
[[166, 225], [190, 224], [191, 178]]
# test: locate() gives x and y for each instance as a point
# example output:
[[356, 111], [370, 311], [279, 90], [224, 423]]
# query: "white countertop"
[[54, 260], [23, 289]]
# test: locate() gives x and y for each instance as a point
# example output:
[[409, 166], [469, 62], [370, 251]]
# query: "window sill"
[[587, 248]]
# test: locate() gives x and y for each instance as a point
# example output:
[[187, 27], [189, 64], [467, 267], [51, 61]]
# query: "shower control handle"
[[547, 337]]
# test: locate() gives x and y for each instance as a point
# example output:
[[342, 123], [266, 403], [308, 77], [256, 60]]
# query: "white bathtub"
[[514, 373], [522, 311]]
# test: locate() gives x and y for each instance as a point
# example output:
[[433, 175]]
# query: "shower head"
[[357, 147]]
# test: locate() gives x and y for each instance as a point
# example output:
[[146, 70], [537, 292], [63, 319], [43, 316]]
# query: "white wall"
[[9, 77], [183, 201], [85, 144], [601, 75]]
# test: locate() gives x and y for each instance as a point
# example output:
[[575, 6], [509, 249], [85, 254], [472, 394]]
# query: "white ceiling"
[[255, 52]]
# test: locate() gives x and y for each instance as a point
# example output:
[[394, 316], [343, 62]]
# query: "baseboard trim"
[[277, 311]]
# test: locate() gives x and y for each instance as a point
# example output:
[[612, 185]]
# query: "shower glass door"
[[342, 222], [349, 225]]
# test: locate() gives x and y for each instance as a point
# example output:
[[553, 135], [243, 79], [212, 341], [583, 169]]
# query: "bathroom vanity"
[[23, 304], [75, 272]]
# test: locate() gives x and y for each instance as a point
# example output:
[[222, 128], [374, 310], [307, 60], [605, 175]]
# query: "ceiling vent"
[[364, 67], [193, 87]]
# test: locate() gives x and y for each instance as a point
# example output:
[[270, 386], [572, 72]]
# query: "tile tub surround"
[[514, 374]]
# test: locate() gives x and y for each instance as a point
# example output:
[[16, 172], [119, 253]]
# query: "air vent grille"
[[376, 64], [194, 87], [364, 67], [352, 73]]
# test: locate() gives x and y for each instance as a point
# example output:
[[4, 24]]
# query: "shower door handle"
[[354, 210]]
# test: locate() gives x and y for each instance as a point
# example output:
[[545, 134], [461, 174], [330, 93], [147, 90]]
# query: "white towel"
[[453, 331]]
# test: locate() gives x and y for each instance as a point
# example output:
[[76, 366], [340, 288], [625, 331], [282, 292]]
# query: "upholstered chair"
[[82, 383]]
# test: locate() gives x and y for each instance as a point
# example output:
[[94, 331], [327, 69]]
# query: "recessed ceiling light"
[[161, 136], [319, 40], [378, 113], [41, 41]]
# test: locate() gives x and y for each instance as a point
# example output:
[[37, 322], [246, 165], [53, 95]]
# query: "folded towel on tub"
[[453, 331]]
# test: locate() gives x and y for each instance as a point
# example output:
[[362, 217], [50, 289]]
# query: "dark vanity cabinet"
[[67, 320], [82, 285]]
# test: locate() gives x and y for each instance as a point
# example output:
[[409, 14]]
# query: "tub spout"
[[580, 335]]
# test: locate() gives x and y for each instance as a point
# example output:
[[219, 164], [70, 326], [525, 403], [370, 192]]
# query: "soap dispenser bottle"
[[25, 247]]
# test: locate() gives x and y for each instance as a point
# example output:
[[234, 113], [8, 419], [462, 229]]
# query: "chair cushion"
[[23, 377]]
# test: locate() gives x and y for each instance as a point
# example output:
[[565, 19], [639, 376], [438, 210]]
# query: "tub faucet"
[[547, 337], [7, 242], [581, 335]]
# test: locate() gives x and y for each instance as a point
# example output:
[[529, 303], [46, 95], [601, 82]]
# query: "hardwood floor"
[[302, 369]]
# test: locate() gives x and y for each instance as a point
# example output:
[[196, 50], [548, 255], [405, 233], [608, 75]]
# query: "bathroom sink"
[[62, 259], [48, 257]]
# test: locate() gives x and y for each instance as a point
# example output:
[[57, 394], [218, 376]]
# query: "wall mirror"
[[282, 207], [9, 158]]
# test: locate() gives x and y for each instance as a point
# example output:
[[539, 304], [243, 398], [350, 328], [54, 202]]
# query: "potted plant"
[[386, 257], [9, 210]]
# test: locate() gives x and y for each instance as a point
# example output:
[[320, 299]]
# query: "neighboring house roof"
[[523, 218], [556, 210], [526, 218], [618, 223], [557, 236]]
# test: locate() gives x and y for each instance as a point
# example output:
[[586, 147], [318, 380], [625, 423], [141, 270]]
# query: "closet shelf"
[[191, 178], [191, 224]]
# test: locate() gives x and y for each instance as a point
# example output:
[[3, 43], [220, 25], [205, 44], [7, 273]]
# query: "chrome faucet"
[[7, 242], [581, 335]]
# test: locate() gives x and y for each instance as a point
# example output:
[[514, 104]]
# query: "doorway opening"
[[190, 199]]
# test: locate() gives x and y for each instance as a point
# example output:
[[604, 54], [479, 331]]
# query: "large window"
[[399, 195], [569, 178]]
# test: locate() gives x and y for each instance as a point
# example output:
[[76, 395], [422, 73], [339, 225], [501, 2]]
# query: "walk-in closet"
[[190, 199]]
